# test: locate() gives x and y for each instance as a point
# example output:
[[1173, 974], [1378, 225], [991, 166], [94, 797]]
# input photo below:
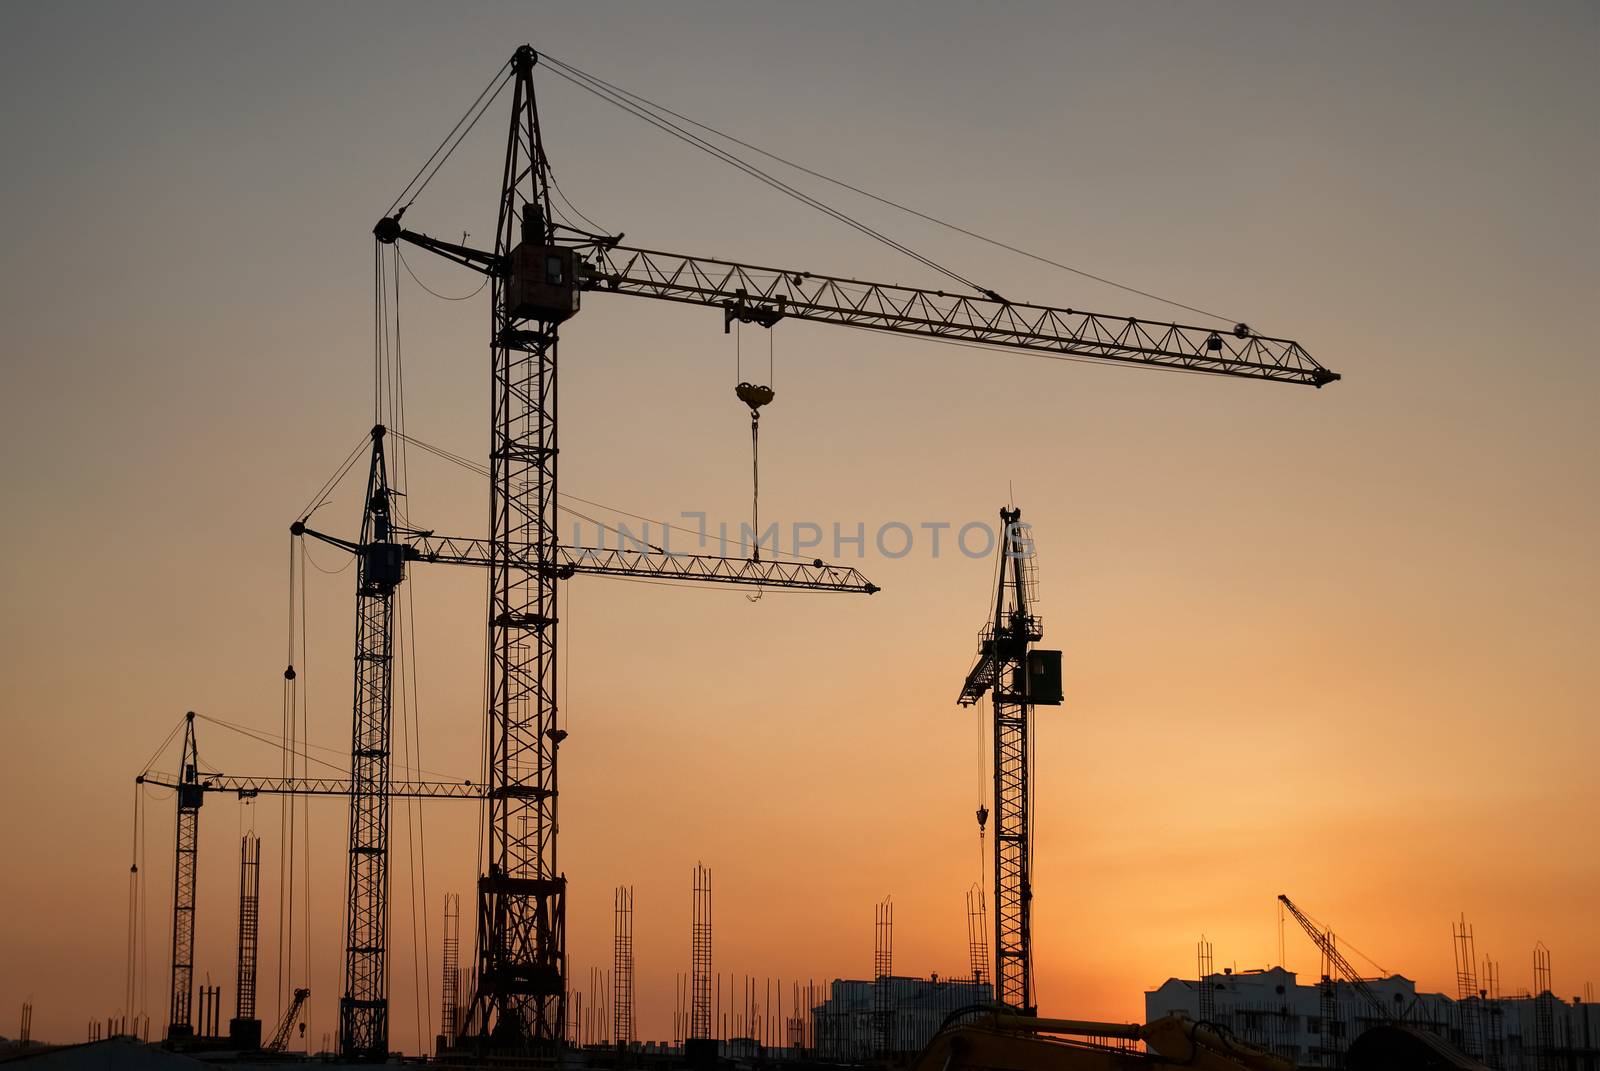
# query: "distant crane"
[[190, 786], [1019, 678], [280, 1037], [1337, 964], [538, 269], [381, 554]]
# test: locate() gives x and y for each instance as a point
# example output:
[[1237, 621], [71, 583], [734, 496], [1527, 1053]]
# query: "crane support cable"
[[662, 109], [582, 81], [497, 82], [471, 466], [406, 264]]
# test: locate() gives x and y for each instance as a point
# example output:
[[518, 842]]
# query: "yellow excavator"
[[1002, 1041]]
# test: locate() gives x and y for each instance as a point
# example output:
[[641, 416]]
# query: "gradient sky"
[[1338, 644]]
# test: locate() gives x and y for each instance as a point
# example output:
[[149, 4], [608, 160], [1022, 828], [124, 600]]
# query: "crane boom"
[[311, 786], [650, 562], [1337, 960], [280, 1036], [765, 295]]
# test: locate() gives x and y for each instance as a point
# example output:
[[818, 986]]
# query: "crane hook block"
[[983, 818], [753, 395]]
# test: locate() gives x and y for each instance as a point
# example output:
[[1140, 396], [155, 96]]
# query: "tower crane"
[[1018, 678], [190, 787], [1336, 963], [538, 272], [381, 553], [280, 1036]]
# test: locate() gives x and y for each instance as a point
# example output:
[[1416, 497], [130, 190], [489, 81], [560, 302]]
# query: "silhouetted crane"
[[538, 270], [381, 554], [280, 1036], [190, 786], [1018, 678]]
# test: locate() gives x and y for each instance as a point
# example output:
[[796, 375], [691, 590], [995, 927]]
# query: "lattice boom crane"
[[538, 271]]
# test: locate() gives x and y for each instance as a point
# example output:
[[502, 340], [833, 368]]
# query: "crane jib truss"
[[190, 786], [382, 552], [538, 272]]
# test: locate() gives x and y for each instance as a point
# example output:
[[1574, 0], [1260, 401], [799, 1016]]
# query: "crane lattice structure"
[[450, 972], [364, 1004], [883, 977], [538, 270], [1017, 678], [280, 1037], [700, 956], [245, 1026], [622, 967], [191, 785], [180, 1021], [1334, 964], [977, 935], [382, 552]]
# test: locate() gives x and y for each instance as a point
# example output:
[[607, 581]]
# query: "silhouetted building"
[[1271, 1009], [843, 1025]]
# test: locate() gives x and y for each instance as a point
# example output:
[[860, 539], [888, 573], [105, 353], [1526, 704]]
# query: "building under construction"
[[508, 992], [1272, 1009]]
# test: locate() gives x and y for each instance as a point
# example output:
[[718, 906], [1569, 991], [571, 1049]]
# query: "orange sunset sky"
[[1333, 643]]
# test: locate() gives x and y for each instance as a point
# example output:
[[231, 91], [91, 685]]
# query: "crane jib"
[[763, 295]]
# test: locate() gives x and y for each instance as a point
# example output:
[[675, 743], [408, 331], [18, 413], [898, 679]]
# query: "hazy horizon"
[[1333, 643]]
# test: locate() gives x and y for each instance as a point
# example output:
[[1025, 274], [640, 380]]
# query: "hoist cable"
[[668, 127], [474, 467], [551, 175], [320, 499], [647, 103], [755, 479]]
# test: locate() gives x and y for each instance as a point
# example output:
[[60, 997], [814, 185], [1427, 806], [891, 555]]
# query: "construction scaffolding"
[[1494, 1017], [1468, 998], [700, 956], [450, 974], [1544, 1026], [882, 976], [622, 967], [246, 1027], [977, 934], [1204, 976]]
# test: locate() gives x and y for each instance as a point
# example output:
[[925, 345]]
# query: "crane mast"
[[364, 1005], [521, 934], [180, 1024], [1017, 678]]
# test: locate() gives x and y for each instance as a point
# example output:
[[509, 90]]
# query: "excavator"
[[1001, 1040]]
